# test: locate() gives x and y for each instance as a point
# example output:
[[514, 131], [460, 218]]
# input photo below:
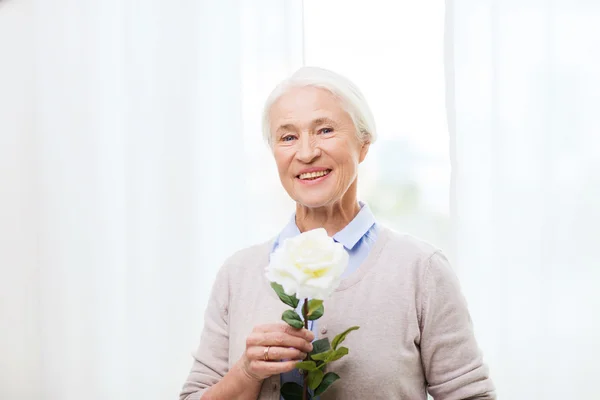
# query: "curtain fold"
[[523, 99], [130, 184]]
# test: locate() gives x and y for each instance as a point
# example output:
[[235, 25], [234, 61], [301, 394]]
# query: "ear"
[[363, 151]]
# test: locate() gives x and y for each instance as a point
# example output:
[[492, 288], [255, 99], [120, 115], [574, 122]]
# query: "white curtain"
[[131, 165], [524, 116], [126, 131]]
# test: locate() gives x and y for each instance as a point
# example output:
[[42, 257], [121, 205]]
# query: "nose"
[[308, 150]]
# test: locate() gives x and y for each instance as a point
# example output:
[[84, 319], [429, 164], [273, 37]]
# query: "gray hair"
[[353, 101]]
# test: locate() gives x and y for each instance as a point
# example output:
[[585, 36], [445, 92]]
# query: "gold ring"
[[266, 355]]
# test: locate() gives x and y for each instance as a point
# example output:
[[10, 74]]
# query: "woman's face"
[[315, 146]]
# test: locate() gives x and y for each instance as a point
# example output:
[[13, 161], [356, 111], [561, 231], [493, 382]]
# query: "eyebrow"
[[317, 121], [323, 120]]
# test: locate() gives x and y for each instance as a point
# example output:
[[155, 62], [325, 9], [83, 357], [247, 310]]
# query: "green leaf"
[[307, 365], [322, 356], [328, 379], [342, 336], [291, 391], [320, 346], [315, 309], [291, 301], [339, 353], [331, 355], [314, 378], [318, 313], [313, 305], [292, 318]]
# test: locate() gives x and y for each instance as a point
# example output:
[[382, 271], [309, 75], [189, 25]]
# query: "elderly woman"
[[416, 334]]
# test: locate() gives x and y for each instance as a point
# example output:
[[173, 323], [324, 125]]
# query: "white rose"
[[309, 265]]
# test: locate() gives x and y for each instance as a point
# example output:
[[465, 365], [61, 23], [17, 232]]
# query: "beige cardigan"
[[415, 331]]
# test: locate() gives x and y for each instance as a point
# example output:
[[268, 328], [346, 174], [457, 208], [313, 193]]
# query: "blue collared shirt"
[[357, 238]]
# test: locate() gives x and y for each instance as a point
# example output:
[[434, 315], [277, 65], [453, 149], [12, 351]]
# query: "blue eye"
[[326, 130], [287, 138]]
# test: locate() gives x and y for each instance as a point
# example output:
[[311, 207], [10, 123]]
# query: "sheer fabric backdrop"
[[523, 103], [125, 176], [132, 164]]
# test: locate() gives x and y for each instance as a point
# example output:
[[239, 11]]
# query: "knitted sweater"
[[415, 331]]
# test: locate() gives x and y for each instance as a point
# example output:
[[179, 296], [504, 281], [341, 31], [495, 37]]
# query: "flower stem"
[[305, 315]]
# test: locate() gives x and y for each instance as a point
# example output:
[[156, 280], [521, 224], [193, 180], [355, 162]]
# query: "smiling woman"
[[317, 151], [320, 127], [400, 290]]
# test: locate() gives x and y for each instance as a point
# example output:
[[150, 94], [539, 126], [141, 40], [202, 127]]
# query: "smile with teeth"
[[314, 175]]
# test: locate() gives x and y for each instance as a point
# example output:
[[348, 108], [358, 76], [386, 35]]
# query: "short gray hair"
[[341, 87]]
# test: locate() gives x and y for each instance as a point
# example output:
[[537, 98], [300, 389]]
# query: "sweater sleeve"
[[452, 361], [211, 360]]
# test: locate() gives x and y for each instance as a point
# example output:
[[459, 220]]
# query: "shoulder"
[[405, 245], [256, 252], [412, 256], [423, 266], [245, 262]]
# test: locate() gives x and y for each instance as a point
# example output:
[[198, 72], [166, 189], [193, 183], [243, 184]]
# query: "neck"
[[333, 217]]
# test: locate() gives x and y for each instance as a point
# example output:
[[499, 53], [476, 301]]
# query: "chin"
[[311, 205], [313, 201]]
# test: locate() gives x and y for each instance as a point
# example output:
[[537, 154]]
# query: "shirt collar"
[[357, 228], [290, 230], [348, 237]]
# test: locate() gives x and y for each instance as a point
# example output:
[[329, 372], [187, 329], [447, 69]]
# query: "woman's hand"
[[244, 380], [283, 342]]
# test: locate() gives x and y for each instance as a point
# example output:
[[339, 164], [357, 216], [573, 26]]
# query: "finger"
[[270, 368], [275, 353], [274, 339], [285, 328], [278, 339]]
